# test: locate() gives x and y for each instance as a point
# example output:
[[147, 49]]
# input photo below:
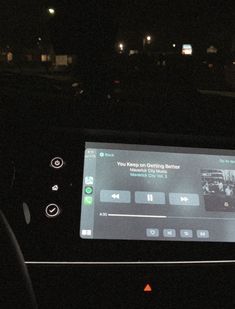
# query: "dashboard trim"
[[131, 263]]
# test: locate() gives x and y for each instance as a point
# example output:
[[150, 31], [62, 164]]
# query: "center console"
[[101, 196], [143, 192]]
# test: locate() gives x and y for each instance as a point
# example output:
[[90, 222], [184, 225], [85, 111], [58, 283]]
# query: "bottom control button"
[[52, 210]]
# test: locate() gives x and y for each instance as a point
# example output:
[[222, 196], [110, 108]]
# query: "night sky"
[[91, 24]]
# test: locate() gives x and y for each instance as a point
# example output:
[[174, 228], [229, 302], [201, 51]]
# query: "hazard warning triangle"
[[148, 288]]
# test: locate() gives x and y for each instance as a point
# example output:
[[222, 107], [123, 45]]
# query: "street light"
[[51, 11], [121, 47], [147, 40]]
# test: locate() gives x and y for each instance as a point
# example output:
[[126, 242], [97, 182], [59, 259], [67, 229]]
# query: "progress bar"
[[168, 217], [136, 216]]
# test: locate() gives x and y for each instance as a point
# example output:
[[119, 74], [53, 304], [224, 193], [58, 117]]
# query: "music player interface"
[[138, 192]]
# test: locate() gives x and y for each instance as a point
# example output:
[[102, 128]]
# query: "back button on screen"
[[169, 233], [115, 196]]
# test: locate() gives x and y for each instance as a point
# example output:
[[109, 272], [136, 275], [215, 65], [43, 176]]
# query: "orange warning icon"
[[148, 288]]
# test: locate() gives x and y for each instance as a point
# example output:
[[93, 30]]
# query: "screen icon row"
[[171, 233]]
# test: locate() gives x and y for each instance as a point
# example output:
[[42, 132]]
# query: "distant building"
[[64, 60], [212, 50], [6, 55]]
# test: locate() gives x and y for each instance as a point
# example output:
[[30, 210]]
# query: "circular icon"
[[57, 162], [101, 154], [52, 210], [88, 190]]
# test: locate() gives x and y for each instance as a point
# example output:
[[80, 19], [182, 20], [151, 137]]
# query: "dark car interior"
[[117, 185]]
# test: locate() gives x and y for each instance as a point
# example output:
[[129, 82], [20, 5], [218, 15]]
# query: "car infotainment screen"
[[140, 192]]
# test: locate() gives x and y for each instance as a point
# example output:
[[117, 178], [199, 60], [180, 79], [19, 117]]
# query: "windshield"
[[122, 51]]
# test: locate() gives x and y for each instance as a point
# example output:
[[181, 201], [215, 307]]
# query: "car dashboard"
[[125, 219]]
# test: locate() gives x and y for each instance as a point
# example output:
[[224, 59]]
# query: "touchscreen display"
[[139, 192]]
